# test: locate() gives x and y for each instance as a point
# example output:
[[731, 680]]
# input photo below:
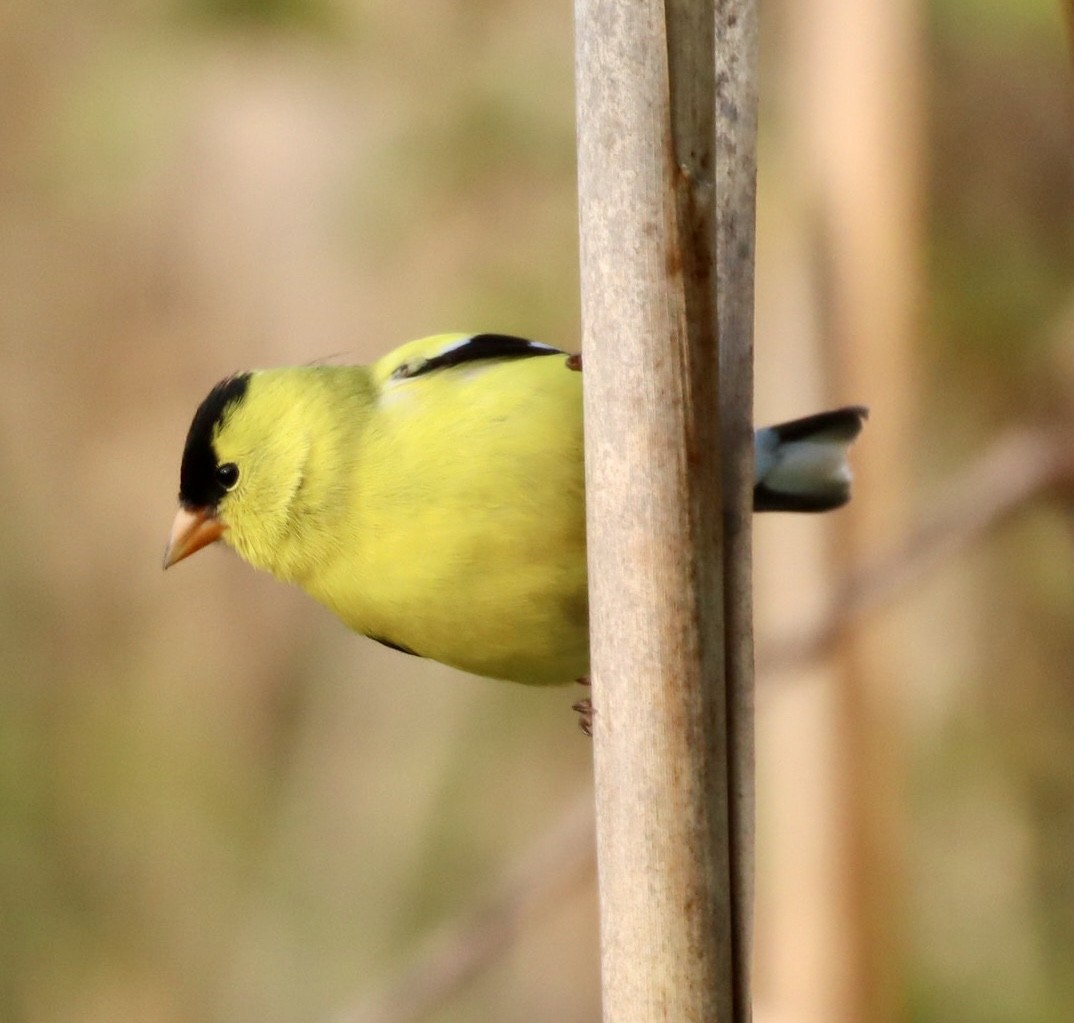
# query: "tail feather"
[[802, 465]]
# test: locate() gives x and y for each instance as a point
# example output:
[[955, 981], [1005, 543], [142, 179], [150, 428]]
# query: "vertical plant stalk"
[[736, 203], [863, 123], [674, 939]]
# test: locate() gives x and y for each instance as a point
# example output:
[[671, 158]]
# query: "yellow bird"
[[435, 501]]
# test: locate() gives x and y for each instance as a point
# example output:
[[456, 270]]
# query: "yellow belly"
[[468, 525]]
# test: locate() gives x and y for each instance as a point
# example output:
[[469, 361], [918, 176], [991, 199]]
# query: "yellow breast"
[[466, 533]]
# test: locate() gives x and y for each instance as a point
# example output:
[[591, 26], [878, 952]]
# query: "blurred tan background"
[[217, 805]]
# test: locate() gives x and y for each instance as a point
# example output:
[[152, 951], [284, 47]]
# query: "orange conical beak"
[[193, 529]]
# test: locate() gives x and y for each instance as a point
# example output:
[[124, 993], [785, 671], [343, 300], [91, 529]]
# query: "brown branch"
[[1019, 467], [557, 866]]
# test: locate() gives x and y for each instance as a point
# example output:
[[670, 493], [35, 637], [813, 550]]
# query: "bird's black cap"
[[198, 485]]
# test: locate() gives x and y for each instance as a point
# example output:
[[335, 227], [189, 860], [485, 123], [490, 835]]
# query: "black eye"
[[227, 475]]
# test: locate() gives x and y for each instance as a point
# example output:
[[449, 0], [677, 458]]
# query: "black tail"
[[802, 465]]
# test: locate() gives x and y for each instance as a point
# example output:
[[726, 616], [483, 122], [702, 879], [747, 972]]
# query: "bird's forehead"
[[198, 486]]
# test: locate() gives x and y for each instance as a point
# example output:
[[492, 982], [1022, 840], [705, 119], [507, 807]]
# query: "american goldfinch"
[[435, 500]]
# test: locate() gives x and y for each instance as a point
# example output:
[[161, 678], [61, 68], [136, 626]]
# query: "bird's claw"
[[585, 711]]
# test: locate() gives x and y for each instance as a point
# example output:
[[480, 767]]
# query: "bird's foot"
[[584, 709], [575, 362]]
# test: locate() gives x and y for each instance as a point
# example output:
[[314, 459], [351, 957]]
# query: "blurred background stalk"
[[858, 132]]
